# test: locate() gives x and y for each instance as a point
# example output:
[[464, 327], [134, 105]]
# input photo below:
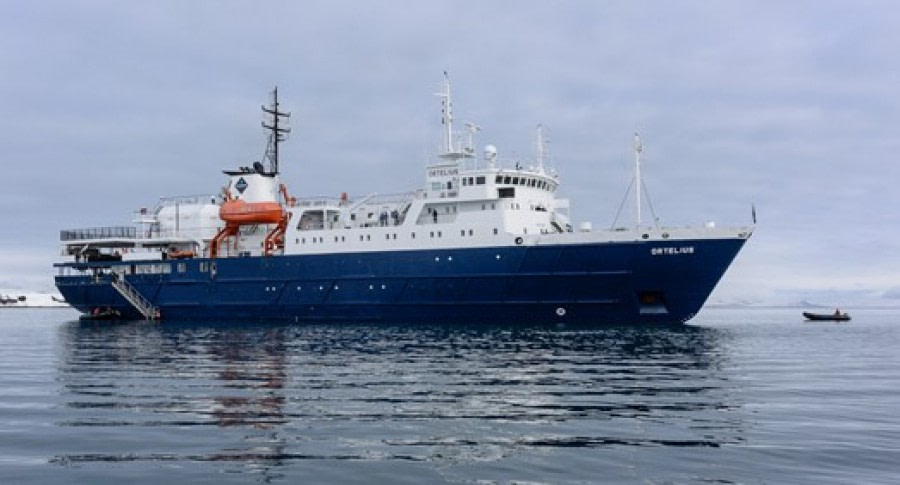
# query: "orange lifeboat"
[[240, 212]]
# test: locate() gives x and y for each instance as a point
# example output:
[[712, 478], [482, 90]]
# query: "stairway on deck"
[[137, 300]]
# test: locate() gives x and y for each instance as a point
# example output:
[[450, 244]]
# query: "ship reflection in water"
[[258, 399]]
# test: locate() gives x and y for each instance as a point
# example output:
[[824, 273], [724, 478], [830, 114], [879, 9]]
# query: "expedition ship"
[[480, 242]]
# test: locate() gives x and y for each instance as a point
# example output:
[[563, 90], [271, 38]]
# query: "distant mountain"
[[805, 304]]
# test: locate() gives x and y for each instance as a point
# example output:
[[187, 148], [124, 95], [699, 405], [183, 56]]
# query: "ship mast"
[[541, 150], [638, 150], [446, 114], [450, 152], [277, 132]]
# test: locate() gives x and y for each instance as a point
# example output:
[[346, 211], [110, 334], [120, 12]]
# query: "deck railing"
[[97, 233]]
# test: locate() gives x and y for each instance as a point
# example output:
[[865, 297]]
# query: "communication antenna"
[[277, 133], [471, 130]]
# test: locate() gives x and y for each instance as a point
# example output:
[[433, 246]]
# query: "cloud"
[[791, 106]]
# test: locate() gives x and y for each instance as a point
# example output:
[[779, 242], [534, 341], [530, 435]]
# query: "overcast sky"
[[791, 106]]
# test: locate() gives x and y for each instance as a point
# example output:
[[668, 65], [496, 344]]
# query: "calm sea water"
[[738, 396]]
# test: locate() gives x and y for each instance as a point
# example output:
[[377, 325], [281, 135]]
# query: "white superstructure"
[[466, 201]]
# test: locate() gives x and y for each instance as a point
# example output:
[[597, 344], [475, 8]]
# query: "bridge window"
[[506, 192]]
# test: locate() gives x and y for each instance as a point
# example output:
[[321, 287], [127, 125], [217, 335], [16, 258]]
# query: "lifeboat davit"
[[240, 212]]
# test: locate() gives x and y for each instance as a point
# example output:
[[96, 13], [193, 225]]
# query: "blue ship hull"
[[618, 283]]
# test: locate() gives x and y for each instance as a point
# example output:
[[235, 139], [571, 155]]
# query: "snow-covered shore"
[[29, 299]]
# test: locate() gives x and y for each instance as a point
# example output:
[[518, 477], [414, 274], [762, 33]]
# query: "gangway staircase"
[[137, 300]]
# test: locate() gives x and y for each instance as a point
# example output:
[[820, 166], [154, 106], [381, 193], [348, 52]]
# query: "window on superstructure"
[[387, 236], [395, 237], [470, 232], [465, 182], [432, 233], [515, 180], [182, 267], [204, 267], [507, 179], [360, 237], [368, 237], [462, 232], [479, 180], [495, 231], [506, 193], [439, 233], [412, 235], [498, 179]]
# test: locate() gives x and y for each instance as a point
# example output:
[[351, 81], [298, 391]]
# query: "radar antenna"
[[277, 132]]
